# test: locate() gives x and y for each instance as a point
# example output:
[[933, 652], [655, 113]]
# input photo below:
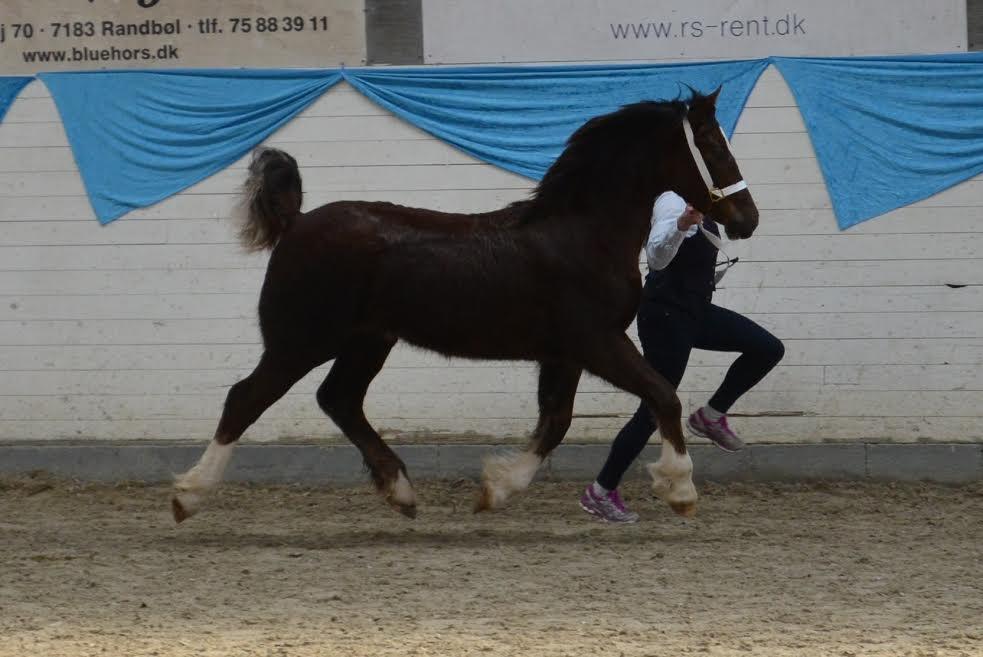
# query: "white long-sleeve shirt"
[[665, 238]]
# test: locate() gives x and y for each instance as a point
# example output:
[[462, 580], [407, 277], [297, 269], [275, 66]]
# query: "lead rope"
[[728, 261], [716, 194]]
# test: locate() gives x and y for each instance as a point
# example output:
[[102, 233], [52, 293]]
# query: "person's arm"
[[672, 222]]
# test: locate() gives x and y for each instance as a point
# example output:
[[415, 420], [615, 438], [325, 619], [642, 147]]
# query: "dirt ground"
[[817, 570]]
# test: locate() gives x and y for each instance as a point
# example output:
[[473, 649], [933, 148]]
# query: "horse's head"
[[713, 182]]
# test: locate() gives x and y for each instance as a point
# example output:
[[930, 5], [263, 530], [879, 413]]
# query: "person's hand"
[[689, 218]]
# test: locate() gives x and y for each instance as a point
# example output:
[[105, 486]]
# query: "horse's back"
[[383, 218]]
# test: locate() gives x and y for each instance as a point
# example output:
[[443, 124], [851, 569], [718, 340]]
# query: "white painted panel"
[[35, 89], [242, 357], [819, 325], [30, 160], [203, 206], [317, 179], [831, 248], [863, 272], [128, 306], [755, 275], [32, 135], [770, 119], [463, 429], [770, 145], [849, 246], [157, 256], [486, 387], [771, 91], [311, 154], [123, 233], [129, 331], [907, 377], [514, 380], [194, 305], [852, 299], [142, 281], [901, 221], [390, 409], [792, 326]]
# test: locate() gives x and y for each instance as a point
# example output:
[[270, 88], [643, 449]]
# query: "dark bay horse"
[[552, 279]]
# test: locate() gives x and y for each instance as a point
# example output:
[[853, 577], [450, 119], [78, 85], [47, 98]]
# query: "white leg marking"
[[672, 476], [193, 486], [402, 491], [505, 474]]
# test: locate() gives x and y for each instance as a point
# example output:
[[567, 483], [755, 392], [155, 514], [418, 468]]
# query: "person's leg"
[[725, 330], [666, 333]]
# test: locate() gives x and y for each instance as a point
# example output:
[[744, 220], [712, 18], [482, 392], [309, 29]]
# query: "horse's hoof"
[[484, 501], [408, 510], [399, 494], [178, 510], [685, 509], [185, 503]]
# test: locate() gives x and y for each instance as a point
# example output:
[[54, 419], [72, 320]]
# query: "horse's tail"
[[271, 199]]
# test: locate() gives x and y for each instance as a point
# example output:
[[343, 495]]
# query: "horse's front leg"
[[616, 360], [510, 473]]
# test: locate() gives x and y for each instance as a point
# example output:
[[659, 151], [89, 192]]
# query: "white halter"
[[716, 193]]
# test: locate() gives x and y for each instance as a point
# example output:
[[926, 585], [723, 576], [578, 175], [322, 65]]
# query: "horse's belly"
[[474, 327]]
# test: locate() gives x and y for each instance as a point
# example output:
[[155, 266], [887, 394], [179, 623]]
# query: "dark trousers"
[[668, 332]]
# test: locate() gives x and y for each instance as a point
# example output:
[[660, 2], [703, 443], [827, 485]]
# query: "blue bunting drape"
[[887, 131], [10, 87], [890, 131], [142, 136], [519, 118]]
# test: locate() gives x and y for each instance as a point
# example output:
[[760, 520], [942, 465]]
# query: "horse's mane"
[[594, 162]]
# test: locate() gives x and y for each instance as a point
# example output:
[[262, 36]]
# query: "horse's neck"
[[614, 219], [627, 228], [611, 239], [636, 233]]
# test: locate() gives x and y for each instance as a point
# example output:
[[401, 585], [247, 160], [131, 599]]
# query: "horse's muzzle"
[[740, 230]]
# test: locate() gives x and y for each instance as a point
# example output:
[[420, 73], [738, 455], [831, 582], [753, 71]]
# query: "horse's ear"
[[705, 105], [712, 98]]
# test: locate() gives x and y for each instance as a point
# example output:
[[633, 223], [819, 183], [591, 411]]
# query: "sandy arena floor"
[[835, 570]]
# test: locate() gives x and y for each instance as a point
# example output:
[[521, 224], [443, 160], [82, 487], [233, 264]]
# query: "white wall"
[[135, 330]]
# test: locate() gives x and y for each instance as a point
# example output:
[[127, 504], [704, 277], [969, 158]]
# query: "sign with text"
[[68, 35], [486, 31]]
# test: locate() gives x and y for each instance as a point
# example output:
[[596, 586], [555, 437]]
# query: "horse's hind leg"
[[341, 396], [246, 401], [617, 361], [504, 475]]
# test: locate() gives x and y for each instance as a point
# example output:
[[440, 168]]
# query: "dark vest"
[[689, 276]]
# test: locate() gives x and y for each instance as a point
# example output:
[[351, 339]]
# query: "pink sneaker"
[[609, 508], [716, 430]]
